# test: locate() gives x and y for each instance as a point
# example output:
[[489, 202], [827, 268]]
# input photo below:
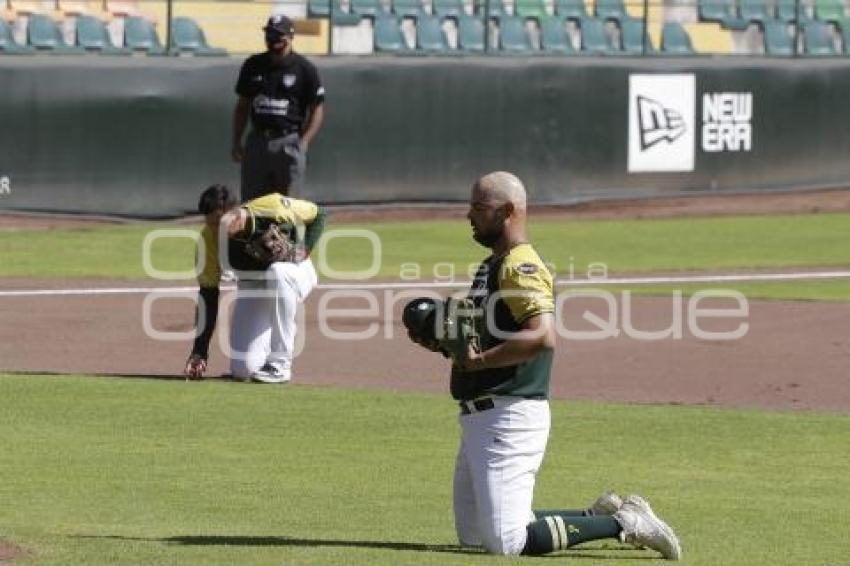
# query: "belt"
[[274, 133], [476, 405]]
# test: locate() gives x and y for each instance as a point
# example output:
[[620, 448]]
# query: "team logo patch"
[[288, 80], [527, 269]]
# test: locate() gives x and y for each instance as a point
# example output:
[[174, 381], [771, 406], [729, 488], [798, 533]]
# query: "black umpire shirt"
[[281, 94]]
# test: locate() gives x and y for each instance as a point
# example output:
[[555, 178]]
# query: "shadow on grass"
[[283, 541]]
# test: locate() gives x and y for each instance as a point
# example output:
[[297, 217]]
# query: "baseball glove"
[[449, 328], [269, 246]]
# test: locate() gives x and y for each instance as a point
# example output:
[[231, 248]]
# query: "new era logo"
[[657, 123], [661, 123]]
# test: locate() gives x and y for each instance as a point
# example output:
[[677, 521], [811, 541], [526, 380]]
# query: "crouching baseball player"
[[267, 242], [501, 340]]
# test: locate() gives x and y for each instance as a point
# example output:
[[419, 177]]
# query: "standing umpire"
[[282, 93]]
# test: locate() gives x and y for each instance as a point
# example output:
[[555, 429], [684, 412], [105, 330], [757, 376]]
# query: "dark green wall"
[[142, 136]]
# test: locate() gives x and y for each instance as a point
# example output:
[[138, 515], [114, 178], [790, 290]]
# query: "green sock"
[[558, 531], [563, 513]]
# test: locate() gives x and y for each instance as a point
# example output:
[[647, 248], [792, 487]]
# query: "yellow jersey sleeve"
[[279, 208], [207, 246], [526, 284]]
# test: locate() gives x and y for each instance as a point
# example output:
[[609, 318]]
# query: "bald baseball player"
[[503, 392]]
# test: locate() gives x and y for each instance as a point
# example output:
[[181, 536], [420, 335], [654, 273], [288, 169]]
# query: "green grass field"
[[628, 246], [132, 471]]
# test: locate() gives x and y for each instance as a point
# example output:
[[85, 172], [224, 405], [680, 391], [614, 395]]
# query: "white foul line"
[[660, 280]]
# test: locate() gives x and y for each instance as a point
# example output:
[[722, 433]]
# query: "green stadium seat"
[[368, 8], [43, 33], [447, 8], [388, 36], [407, 8], [777, 40], [496, 7], [611, 10], [512, 35], [755, 11], [139, 35], [554, 37], [93, 36], [830, 10], [430, 35], [845, 35], [632, 36], [786, 11], [675, 40], [594, 37], [322, 8], [8, 45], [571, 9], [187, 36], [342, 18], [470, 33], [817, 39], [716, 10], [530, 8]]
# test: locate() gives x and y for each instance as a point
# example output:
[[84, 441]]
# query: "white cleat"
[[607, 504], [641, 527], [272, 373]]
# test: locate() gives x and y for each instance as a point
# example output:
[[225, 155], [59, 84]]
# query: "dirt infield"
[[9, 551], [793, 356]]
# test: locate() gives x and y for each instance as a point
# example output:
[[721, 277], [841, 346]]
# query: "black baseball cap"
[[280, 24]]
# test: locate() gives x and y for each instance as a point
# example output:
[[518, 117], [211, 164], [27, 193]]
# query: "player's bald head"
[[502, 187]]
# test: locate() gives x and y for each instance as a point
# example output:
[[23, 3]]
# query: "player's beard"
[[488, 237]]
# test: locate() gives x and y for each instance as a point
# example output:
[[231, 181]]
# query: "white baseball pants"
[[263, 325], [500, 452]]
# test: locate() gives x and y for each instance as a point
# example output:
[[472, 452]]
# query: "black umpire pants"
[[272, 165]]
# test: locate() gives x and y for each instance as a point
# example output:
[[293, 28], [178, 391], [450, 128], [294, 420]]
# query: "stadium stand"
[[8, 45], [611, 10], [554, 37], [818, 39], [675, 40], [512, 35], [777, 40], [370, 8], [787, 11], [322, 8], [496, 8], [845, 36], [430, 36], [388, 36], [448, 8], [634, 37], [44, 34], [407, 8], [140, 35], [709, 38], [470, 34], [830, 10], [535, 9], [571, 9], [755, 11], [92, 35], [188, 37], [594, 37]]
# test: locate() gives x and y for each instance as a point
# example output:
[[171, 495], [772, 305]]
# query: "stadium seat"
[[407, 8], [594, 37], [8, 45], [632, 35], [388, 36], [322, 8], [447, 8], [43, 33], [496, 7], [845, 36], [675, 40], [187, 36], [93, 36], [140, 35], [786, 11], [571, 9], [370, 8], [512, 35], [529, 8], [755, 11], [716, 10], [430, 35], [817, 39], [554, 37], [470, 33], [830, 10], [777, 40], [611, 10]]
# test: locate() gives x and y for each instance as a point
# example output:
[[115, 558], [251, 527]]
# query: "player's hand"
[[237, 152], [195, 367], [473, 361]]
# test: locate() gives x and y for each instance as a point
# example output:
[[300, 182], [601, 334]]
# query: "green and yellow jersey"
[[507, 291]]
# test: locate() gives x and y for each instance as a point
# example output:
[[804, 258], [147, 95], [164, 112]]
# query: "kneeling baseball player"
[[267, 242], [501, 339]]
